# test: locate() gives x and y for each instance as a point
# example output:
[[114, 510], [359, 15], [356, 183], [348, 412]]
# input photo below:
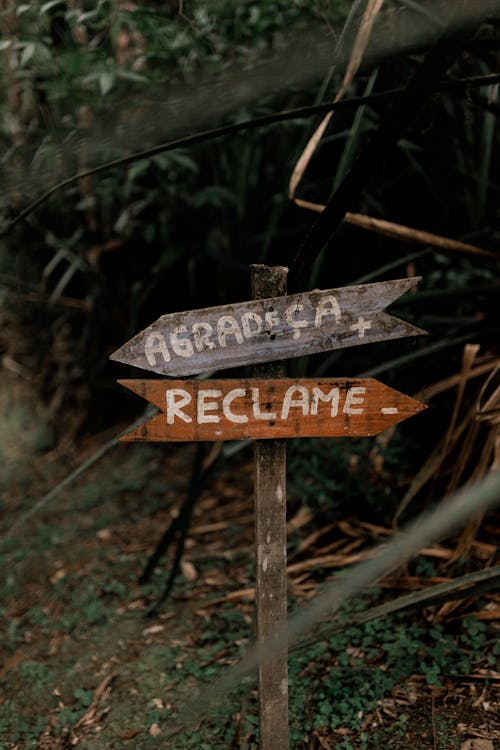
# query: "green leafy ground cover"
[[82, 663]]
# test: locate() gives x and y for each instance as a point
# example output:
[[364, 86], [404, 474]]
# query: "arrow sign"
[[218, 338], [258, 409]]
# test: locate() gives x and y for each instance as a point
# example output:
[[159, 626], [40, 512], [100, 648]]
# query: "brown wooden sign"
[[266, 330], [258, 409]]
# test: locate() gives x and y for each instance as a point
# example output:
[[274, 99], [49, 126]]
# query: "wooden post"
[[270, 545], [269, 329]]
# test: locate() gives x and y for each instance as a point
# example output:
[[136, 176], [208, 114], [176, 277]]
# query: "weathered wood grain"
[[195, 410], [270, 550], [266, 330]]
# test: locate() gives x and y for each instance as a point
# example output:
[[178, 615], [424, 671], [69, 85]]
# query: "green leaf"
[[162, 161], [27, 53], [88, 16], [214, 195], [84, 697], [182, 160], [51, 4], [106, 81], [130, 75], [138, 168]]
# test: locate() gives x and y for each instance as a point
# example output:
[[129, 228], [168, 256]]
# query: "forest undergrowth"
[[84, 665]]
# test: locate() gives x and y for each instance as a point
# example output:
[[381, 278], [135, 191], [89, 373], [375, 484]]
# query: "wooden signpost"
[[268, 408], [207, 410], [266, 330], [270, 548]]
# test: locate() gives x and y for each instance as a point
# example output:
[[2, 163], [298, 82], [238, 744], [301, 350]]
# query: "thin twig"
[[464, 587], [257, 122], [192, 140], [404, 233]]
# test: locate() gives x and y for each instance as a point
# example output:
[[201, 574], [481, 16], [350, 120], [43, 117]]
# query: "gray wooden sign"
[[266, 330]]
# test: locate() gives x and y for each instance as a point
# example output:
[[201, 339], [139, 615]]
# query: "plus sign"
[[361, 326]]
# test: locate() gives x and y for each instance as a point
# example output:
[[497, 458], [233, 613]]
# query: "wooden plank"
[[269, 329], [270, 548], [261, 409]]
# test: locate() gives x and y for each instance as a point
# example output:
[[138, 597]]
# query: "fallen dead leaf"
[[130, 734], [58, 575], [153, 629], [104, 534], [12, 662], [189, 571], [477, 744]]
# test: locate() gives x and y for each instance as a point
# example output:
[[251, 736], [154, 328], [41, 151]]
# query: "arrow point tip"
[[420, 331], [116, 355]]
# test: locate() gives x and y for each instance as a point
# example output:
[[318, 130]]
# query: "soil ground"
[[82, 664]]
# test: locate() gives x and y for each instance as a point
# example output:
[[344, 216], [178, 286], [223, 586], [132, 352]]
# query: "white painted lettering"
[[226, 406], [361, 326], [181, 346], [228, 326], [201, 336], [174, 407], [257, 414], [327, 306], [290, 312], [247, 319], [352, 398], [272, 319], [204, 406], [289, 401], [318, 395], [156, 344]]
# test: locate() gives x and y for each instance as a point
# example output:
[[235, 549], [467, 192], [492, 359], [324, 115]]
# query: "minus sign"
[[389, 410]]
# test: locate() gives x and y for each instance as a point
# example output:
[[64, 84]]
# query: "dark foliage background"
[[103, 257]]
